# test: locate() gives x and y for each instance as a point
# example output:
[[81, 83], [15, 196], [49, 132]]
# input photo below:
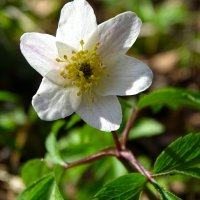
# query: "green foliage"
[[165, 195], [82, 141], [53, 153], [191, 171], [12, 115], [9, 97], [34, 170], [74, 119], [45, 189], [98, 172], [125, 187], [146, 128], [169, 14], [172, 97], [180, 156], [162, 16], [74, 143], [12, 119]]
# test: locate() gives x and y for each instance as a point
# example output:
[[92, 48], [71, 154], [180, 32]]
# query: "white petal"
[[53, 102], [55, 77], [104, 113], [77, 22], [64, 50], [118, 34], [40, 51], [126, 76], [92, 41]]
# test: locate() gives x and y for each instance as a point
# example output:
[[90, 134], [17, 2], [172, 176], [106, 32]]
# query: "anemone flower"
[[84, 67]]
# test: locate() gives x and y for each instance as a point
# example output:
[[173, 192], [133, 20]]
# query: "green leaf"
[[168, 196], [82, 141], [172, 97], [180, 155], [58, 171], [34, 170], [52, 145], [56, 126], [12, 119], [146, 10], [73, 120], [193, 171], [146, 128], [165, 195], [9, 97], [170, 13], [125, 187], [45, 189]]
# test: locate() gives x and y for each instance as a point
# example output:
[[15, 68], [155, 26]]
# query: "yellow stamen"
[[84, 68]]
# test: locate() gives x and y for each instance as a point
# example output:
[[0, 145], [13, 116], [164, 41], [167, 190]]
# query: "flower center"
[[84, 68]]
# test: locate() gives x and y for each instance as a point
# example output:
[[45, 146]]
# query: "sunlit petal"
[[53, 102], [40, 51], [77, 22], [104, 113]]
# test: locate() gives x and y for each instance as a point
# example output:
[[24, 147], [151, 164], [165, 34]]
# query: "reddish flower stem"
[[117, 142], [128, 127], [128, 155], [92, 158], [120, 151]]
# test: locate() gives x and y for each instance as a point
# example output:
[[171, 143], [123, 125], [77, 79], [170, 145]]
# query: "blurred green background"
[[169, 43]]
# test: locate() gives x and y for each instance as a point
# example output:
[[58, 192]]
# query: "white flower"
[[84, 67]]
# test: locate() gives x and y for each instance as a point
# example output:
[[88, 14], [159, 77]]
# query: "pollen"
[[84, 68]]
